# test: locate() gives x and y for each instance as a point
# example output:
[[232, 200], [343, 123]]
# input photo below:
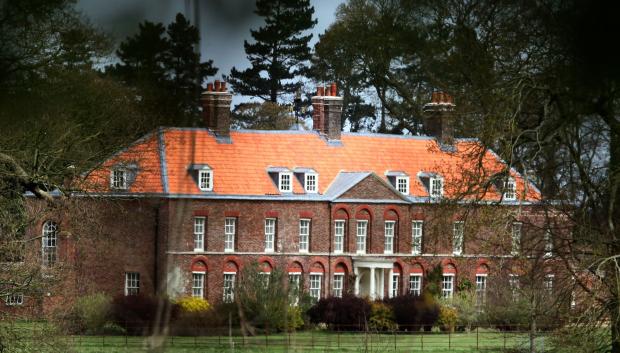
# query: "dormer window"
[[205, 180], [510, 190], [119, 179], [202, 175], [285, 182], [402, 184], [311, 181], [436, 187]]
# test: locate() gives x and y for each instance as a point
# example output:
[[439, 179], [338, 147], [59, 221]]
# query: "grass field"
[[484, 341], [311, 341]]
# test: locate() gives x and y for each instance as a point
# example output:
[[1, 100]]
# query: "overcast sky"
[[224, 23]]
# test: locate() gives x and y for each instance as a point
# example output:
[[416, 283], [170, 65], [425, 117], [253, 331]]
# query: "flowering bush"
[[447, 318], [193, 304], [381, 317]]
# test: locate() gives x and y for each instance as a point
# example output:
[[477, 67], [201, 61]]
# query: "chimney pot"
[[334, 88], [328, 91], [319, 91], [439, 118], [216, 109], [327, 112]]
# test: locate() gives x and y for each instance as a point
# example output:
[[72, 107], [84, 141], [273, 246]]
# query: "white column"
[[356, 290], [390, 286], [382, 281], [373, 286]]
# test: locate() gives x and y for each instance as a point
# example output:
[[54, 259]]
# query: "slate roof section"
[[241, 167]]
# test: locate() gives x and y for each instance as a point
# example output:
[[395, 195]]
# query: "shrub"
[[346, 313], [94, 312], [137, 314], [414, 312], [447, 318], [294, 319], [381, 317], [193, 305]]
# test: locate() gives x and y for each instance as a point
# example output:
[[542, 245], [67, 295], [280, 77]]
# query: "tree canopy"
[[279, 53]]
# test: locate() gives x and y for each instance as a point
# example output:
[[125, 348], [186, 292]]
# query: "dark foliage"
[[280, 50], [138, 314], [414, 312], [346, 313]]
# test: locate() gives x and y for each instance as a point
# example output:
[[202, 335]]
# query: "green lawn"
[[485, 341]]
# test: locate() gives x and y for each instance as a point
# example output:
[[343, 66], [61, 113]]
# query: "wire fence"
[[337, 339]]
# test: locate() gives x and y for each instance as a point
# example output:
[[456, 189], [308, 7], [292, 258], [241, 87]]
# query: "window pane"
[[516, 238], [415, 284], [311, 184], [48, 243], [362, 227], [132, 283], [229, 287], [389, 237], [447, 285], [198, 285], [315, 286], [457, 240], [304, 235], [270, 234], [395, 285], [338, 236], [229, 234], [199, 233], [416, 231], [338, 284]]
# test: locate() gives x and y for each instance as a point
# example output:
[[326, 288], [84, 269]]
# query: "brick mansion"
[[183, 210]]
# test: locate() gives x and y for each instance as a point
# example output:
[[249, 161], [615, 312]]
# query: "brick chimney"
[[327, 112], [216, 109], [439, 118]]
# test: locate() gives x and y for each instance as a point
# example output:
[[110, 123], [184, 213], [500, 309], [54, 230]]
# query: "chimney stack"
[[439, 118], [327, 112], [216, 109]]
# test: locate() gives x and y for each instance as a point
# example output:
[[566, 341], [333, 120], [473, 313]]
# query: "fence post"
[[312, 337], [449, 338], [422, 339], [126, 343], [394, 333], [338, 333], [505, 339]]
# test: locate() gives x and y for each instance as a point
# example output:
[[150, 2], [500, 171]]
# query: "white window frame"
[[516, 232], [510, 189], [200, 224], [316, 279], [339, 230], [548, 282], [205, 180], [311, 188], [281, 185], [132, 283], [294, 287], [418, 282], [360, 239], [304, 235], [228, 287], [14, 299], [49, 243], [198, 284], [394, 285], [514, 282], [458, 234], [548, 240], [230, 230], [405, 180], [447, 285], [389, 238], [481, 289], [417, 232], [270, 234], [433, 191], [118, 178], [338, 285]]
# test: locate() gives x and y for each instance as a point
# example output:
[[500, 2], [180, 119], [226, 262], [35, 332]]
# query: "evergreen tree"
[[280, 51], [162, 64]]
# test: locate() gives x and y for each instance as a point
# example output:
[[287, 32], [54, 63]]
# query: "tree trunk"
[[533, 334]]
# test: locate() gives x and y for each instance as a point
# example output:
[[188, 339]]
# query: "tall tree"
[[162, 64], [280, 51]]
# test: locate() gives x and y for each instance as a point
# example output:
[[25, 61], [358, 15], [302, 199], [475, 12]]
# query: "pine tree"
[[280, 51], [160, 62]]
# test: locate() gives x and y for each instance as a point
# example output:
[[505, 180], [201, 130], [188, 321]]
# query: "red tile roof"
[[240, 167]]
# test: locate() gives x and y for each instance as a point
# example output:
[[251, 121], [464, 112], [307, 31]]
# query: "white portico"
[[370, 276]]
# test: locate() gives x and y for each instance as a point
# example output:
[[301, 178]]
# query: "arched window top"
[[50, 228]]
